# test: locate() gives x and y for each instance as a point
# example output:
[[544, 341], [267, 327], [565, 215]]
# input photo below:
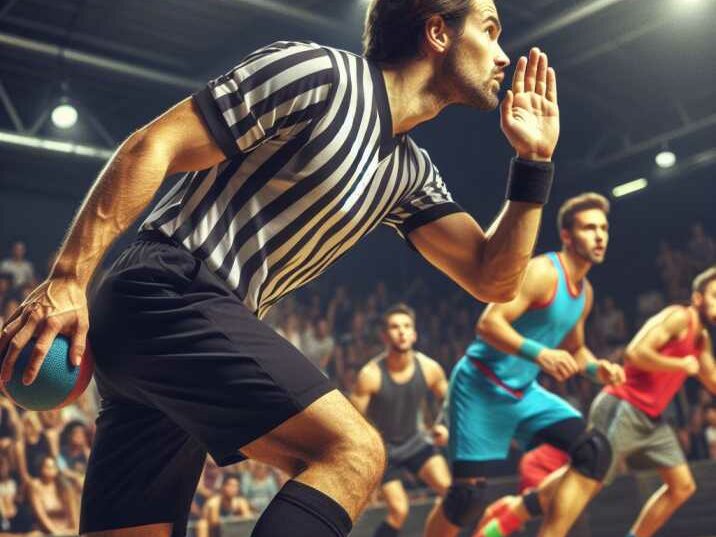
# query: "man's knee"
[[591, 455], [464, 503], [361, 446], [682, 490], [399, 511]]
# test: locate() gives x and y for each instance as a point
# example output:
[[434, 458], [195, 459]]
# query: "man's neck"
[[410, 95], [576, 266], [397, 361]]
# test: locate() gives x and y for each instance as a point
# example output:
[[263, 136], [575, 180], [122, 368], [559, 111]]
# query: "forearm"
[[123, 189], [507, 248], [500, 334], [584, 356]]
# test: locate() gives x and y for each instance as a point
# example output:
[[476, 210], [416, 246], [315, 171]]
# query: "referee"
[[290, 159]]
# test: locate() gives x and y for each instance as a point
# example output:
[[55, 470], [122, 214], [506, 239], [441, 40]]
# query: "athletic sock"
[[386, 530], [302, 511]]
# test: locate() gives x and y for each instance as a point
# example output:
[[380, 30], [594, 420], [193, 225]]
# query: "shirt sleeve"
[[428, 202], [273, 92]]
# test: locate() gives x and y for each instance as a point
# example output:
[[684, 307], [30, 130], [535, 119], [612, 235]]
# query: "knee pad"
[[464, 503], [591, 454]]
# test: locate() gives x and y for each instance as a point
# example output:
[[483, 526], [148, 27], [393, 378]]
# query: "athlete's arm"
[[495, 323], [644, 349], [707, 369], [491, 265], [367, 383], [174, 142], [438, 384], [602, 371]]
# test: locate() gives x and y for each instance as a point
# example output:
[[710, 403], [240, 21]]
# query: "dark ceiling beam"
[[285, 9], [100, 62], [106, 44], [559, 22]]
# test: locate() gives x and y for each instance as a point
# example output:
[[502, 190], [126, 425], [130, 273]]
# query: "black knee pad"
[[464, 503], [591, 454]]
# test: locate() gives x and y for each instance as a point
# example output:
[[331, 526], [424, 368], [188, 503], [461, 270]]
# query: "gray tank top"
[[395, 408]]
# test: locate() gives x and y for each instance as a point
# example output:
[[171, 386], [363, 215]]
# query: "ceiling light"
[[64, 115], [630, 187], [665, 159]]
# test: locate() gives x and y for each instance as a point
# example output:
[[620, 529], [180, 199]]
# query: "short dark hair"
[[394, 29], [577, 204], [703, 280], [398, 308]]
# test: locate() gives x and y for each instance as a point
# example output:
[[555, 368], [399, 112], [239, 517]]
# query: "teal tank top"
[[548, 325]]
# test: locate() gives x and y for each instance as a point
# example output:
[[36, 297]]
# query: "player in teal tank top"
[[494, 396]]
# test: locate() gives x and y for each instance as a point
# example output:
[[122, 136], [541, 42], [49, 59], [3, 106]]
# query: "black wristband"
[[529, 181]]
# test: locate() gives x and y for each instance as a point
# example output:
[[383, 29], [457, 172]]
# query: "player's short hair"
[[577, 204], [394, 29], [398, 308], [703, 280]]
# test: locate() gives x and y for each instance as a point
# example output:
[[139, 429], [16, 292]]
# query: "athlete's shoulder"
[[369, 375], [431, 367]]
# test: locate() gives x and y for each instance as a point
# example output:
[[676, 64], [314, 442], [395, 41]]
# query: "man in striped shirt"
[[291, 158]]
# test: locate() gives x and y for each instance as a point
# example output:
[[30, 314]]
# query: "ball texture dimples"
[[54, 383]]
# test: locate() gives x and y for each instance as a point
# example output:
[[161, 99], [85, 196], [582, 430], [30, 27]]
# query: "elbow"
[[484, 326], [633, 355]]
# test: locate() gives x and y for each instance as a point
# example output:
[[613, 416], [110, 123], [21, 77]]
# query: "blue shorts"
[[485, 417]]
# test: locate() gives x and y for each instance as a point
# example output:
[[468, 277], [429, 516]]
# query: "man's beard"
[[586, 254], [454, 84]]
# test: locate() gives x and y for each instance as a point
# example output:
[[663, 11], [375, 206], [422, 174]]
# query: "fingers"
[[17, 341], [506, 108], [44, 341], [531, 70], [518, 79], [79, 342], [551, 93], [541, 81]]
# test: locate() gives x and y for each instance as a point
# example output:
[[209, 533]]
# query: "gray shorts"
[[642, 442]]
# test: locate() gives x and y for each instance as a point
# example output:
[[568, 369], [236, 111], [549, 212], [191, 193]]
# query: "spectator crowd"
[[43, 455]]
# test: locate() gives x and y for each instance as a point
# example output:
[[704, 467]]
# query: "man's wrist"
[[529, 181], [530, 349]]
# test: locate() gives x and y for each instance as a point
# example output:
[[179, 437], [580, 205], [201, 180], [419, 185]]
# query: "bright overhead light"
[[54, 145], [630, 187], [64, 116], [665, 159]]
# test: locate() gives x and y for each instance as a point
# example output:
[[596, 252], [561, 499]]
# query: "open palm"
[[530, 114]]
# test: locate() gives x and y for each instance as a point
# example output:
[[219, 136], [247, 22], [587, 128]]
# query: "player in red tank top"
[[670, 347]]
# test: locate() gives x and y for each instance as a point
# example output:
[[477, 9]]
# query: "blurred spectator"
[[648, 304], [711, 429], [318, 344], [226, 504], [259, 485], [611, 323], [701, 249], [20, 268], [8, 494], [289, 328], [54, 501], [674, 273], [74, 452], [698, 447], [34, 447]]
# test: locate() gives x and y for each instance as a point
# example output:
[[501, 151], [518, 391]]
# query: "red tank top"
[[652, 391]]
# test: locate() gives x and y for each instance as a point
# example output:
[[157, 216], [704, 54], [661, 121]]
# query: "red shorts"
[[539, 463]]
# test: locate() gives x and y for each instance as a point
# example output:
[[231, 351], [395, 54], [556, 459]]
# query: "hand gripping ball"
[[58, 382]]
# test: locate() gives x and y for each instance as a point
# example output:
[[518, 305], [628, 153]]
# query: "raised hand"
[[529, 111], [56, 306]]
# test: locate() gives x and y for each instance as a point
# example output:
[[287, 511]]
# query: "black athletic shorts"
[[412, 464], [183, 368]]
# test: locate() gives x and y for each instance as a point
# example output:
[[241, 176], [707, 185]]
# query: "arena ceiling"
[[634, 75]]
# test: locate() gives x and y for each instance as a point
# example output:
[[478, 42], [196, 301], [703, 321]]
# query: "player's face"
[[475, 63], [589, 235], [706, 303], [399, 332]]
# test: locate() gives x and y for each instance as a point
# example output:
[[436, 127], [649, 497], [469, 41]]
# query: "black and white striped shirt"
[[312, 166]]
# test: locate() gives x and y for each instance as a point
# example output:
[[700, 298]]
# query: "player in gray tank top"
[[390, 391]]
